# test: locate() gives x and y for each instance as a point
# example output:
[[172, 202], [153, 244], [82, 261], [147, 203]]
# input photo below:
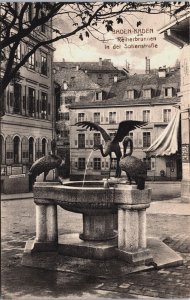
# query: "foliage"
[[19, 21]]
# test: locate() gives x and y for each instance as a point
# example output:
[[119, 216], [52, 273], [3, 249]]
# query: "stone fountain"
[[113, 241]]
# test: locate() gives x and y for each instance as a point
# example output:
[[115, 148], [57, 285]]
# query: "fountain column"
[[46, 226], [132, 240]]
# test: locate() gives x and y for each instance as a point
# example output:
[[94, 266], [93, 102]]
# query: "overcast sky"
[[92, 49]]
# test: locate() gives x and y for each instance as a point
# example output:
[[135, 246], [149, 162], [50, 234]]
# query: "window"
[[130, 94], [64, 116], [43, 26], [168, 92], [31, 60], [31, 150], [112, 117], [44, 146], [9, 149], [25, 149], [146, 115], [81, 163], [31, 99], [147, 93], [16, 144], [166, 115], [147, 161], [17, 98], [99, 96], [129, 115], [97, 163], [114, 164], [146, 139], [69, 99], [44, 64], [44, 105], [97, 117], [97, 140], [18, 53], [81, 117], [81, 140]]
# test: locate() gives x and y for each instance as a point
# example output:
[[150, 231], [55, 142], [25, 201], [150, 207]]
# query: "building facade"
[[27, 126], [146, 97], [178, 33]]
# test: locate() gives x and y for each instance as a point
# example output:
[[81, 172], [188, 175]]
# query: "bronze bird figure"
[[45, 164], [112, 145], [134, 168]]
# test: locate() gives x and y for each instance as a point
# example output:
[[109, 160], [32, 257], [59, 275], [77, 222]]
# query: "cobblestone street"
[[19, 282]]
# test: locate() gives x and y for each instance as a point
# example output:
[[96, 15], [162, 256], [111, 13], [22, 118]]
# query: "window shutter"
[[49, 109]]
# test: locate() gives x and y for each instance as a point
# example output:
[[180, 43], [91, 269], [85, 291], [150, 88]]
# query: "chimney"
[[147, 65], [63, 60], [162, 72], [100, 62]]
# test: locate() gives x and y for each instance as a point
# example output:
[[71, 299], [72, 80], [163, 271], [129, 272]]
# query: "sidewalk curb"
[[16, 196]]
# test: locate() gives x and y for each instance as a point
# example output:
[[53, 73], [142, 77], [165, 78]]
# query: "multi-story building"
[[147, 97], [103, 72], [27, 126], [74, 86]]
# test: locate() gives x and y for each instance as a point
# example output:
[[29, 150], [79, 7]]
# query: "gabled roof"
[[117, 95], [139, 82], [76, 80], [104, 65]]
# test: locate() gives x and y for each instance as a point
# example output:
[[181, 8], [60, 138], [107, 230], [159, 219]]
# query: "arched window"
[[24, 150], [9, 150], [31, 149], [2, 150], [38, 145], [44, 147], [16, 144]]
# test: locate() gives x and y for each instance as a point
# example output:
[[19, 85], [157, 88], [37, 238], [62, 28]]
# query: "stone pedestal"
[[98, 227], [46, 226], [132, 240]]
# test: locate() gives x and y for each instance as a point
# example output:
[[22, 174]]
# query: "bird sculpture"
[[45, 164], [112, 145], [134, 167]]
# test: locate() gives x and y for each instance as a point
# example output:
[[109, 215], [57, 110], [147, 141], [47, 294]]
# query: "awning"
[[167, 142]]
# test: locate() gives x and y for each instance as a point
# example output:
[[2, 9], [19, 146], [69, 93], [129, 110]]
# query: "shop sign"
[[185, 153]]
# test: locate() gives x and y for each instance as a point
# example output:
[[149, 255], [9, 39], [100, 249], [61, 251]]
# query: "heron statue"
[[112, 145], [134, 167], [45, 164]]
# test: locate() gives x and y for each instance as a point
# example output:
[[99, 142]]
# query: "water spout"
[[86, 168]]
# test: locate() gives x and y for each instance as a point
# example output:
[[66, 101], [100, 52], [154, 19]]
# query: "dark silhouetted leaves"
[[119, 20], [81, 37], [87, 34], [139, 23]]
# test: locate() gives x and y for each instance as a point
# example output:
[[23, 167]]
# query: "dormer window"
[[147, 93], [130, 94], [168, 92], [98, 96]]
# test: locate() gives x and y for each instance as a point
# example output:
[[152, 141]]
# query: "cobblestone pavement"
[[18, 282]]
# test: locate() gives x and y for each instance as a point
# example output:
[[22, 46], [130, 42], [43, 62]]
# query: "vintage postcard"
[[95, 150]]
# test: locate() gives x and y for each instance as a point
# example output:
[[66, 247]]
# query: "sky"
[[92, 49]]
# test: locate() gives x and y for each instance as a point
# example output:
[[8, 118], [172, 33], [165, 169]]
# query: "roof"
[[117, 95], [76, 80], [103, 65], [139, 82]]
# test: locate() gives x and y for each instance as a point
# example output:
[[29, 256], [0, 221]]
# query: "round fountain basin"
[[95, 202], [90, 198]]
